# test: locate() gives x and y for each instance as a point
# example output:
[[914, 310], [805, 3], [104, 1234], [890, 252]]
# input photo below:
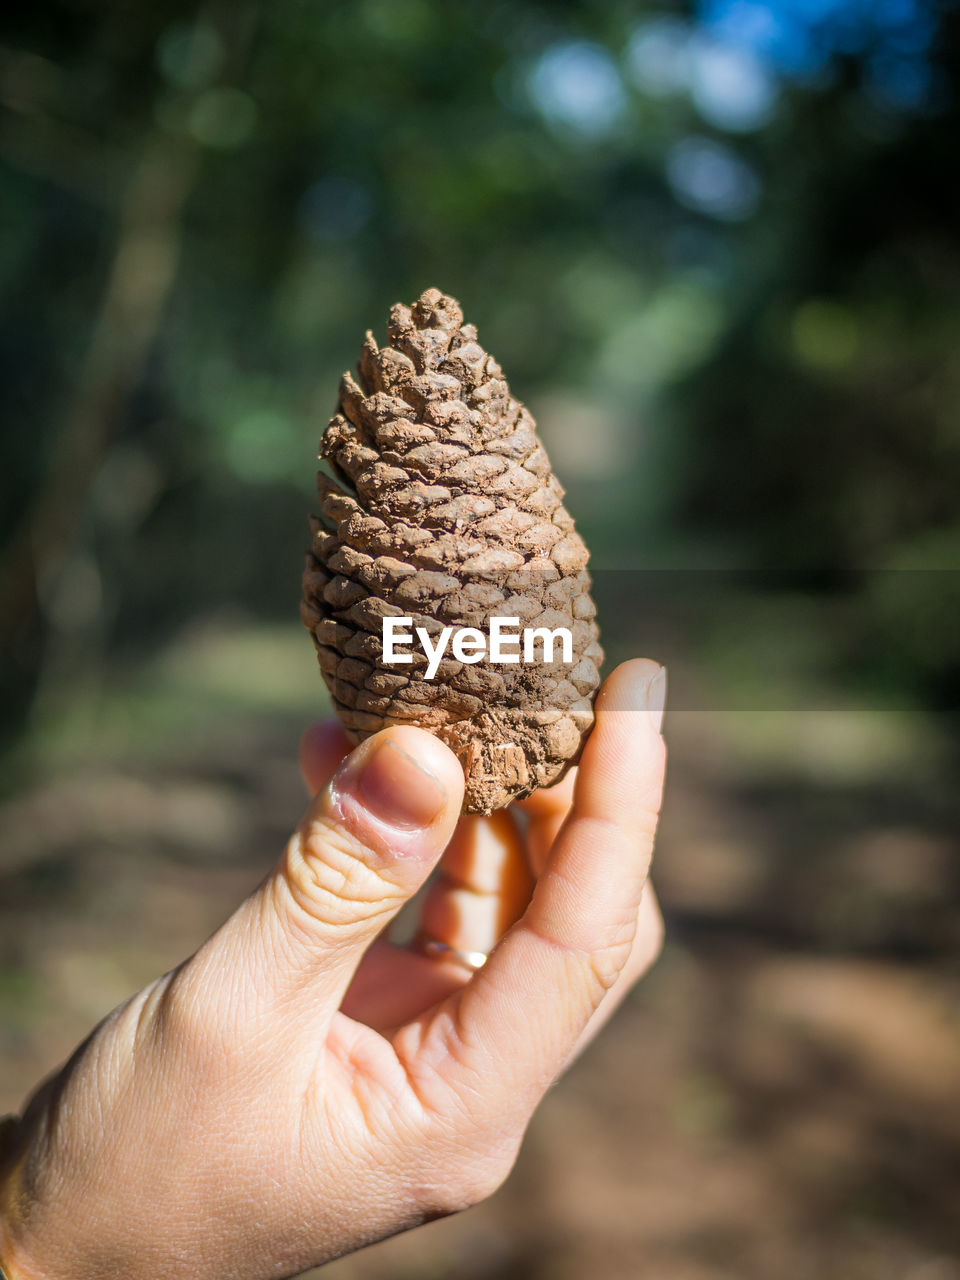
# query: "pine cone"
[[443, 508]]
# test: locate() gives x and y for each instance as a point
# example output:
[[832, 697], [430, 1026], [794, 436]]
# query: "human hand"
[[300, 1087]]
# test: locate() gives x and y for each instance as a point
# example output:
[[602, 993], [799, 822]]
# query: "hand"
[[300, 1087]]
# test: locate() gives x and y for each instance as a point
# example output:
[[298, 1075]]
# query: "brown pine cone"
[[442, 508]]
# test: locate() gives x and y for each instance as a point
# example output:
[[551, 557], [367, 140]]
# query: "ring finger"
[[482, 887]]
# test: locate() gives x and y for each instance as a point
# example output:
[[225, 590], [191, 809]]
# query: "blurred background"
[[715, 246]]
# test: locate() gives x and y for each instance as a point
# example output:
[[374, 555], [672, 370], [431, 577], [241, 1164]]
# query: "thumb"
[[367, 842]]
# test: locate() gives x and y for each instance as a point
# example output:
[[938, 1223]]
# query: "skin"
[[300, 1086]]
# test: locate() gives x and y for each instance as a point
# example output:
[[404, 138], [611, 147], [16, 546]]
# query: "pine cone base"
[[441, 506]]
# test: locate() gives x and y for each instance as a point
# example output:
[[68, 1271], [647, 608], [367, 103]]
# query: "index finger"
[[516, 1023]]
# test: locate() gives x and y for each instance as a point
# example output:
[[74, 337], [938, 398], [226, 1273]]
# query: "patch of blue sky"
[[799, 39], [576, 85], [658, 56], [769, 30], [730, 86]]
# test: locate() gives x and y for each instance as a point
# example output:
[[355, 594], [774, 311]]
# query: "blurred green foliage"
[[724, 275]]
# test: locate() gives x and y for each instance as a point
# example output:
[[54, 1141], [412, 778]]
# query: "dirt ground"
[[780, 1100]]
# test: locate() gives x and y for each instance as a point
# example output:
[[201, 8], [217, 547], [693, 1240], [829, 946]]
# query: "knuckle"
[[190, 1027], [596, 958], [329, 878], [606, 963]]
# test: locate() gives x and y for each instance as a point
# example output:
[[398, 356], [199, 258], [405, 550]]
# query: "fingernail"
[[398, 790], [655, 698]]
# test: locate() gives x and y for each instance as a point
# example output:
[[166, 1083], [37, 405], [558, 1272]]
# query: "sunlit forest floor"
[[780, 1100]]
